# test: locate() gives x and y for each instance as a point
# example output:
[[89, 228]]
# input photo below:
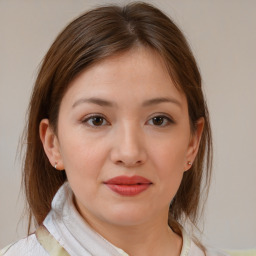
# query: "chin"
[[127, 216]]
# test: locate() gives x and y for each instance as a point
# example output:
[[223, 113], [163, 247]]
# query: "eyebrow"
[[97, 101], [106, 103], [160, 100]]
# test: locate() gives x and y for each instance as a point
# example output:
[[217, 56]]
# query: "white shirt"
[[71, 231]]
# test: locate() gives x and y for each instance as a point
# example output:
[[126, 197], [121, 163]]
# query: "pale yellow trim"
[[49, 243], [242, 253]]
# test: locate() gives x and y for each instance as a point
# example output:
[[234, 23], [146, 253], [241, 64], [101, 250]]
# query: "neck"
[[149, 238]]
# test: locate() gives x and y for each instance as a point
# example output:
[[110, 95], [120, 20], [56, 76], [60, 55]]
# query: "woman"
[[118, 139]]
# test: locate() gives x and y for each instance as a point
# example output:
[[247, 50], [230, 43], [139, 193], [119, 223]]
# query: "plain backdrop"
[[222, 35]]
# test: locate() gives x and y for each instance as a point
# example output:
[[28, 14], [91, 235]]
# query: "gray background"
[[222, 35]]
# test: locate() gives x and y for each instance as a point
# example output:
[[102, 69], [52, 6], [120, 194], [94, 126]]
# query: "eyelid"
[[169, 118], [88, 117]]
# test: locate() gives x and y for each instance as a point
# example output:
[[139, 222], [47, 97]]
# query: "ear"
[[50, 144], [194, 144]]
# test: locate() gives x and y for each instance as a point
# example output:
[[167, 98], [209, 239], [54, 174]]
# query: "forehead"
[[135, 74]]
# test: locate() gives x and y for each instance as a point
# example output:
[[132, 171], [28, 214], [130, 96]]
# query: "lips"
[[128, 186]]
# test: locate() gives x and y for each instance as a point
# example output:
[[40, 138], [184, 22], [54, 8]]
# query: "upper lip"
[[128, 180]]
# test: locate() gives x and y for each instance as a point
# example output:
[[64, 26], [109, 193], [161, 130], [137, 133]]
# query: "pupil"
[[97, 121], [158, 120]]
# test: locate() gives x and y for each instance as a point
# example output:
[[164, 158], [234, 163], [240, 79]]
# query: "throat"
[[150, 243]]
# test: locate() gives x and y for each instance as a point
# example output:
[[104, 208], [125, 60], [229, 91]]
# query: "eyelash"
[[167, 120], [90, 118]]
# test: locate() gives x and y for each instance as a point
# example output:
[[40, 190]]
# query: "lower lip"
[[128, 190]]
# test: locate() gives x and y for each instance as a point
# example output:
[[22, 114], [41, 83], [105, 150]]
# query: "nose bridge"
[[129, 148], [131, 138]]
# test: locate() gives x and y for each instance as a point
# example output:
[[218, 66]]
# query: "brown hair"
[[95, 35]]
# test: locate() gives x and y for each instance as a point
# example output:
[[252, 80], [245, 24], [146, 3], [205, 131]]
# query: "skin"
[[125, 140]]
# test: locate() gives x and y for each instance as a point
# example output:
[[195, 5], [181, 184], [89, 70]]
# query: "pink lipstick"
[[128, 186]]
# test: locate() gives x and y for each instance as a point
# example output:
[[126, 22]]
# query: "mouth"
[[128, 186]]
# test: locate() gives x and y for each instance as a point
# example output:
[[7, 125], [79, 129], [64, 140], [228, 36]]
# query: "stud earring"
[[189, 163], [55, 165]]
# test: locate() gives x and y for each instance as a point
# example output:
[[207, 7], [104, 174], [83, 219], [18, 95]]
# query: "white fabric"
[[25, 247], [78, 239]]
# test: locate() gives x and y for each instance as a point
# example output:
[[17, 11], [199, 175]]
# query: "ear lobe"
[[194, 143], [50, 144]]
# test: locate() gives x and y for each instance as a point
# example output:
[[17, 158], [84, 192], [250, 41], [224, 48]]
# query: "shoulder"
[[196, 251], [212, 252], [25, 247], [190, 248]]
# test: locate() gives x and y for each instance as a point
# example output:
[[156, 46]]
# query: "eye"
[[95, 121], [160, 121]]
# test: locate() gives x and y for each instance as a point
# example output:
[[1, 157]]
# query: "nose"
[[128, 147]]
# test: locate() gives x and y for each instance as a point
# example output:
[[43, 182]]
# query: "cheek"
[[83, 166], [168, 159], [171, 153], [82, 157]]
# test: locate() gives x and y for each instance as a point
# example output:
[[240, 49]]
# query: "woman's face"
[[124, 139]]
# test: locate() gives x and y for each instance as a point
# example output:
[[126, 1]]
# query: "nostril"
[[129, 163]]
